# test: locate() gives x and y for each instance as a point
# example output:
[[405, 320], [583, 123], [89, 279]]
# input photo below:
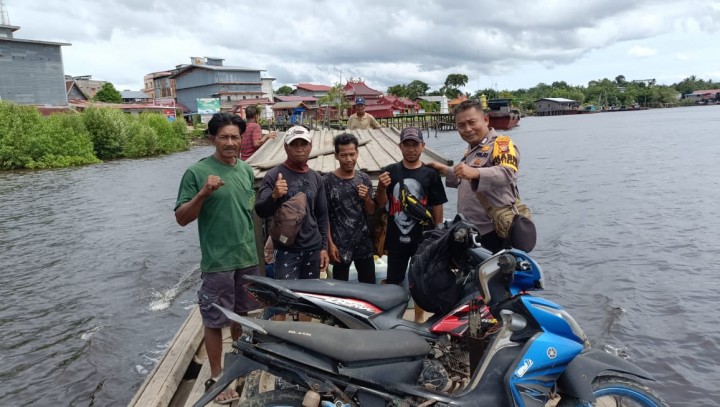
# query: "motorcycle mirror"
[[507, 263]]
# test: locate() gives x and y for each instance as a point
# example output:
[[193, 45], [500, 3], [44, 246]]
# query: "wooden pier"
[[428, 121]]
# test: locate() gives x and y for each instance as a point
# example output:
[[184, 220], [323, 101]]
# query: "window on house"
[[243, 97], [228, 98]]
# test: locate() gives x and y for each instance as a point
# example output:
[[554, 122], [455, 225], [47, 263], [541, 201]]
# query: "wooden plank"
[[162, 383], [198, 388], [313, 154]]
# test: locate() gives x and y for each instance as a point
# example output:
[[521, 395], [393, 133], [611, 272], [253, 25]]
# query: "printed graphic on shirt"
[[404, 223], [348, 222]]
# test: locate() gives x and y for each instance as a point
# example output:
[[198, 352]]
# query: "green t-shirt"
[[225, 223]]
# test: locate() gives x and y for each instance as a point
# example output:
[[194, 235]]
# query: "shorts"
[[294, 265], [226, 289]]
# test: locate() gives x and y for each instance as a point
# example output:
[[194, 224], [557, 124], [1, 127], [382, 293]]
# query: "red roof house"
[[355, 89]]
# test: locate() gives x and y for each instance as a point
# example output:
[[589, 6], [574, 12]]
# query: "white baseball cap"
[[296, 132]]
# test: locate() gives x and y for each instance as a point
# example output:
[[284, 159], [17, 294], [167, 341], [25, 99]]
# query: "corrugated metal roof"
[[187, 68], [378, 148], [289, 105], [295, 98], [558, 100], [312, 87], [133, 94]]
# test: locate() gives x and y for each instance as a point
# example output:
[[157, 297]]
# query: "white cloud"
[[641, 52], [384, 41]]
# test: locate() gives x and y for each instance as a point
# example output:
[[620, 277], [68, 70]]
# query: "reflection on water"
[[97, 276]]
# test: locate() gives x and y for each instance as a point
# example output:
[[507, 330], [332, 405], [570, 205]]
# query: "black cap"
[[411, 133]]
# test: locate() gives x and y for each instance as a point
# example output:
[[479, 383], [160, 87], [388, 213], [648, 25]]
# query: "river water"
[[97, 277]]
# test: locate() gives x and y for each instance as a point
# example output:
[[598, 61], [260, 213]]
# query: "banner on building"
[[208, 106]]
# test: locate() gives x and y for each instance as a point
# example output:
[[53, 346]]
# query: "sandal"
[[226, 393]]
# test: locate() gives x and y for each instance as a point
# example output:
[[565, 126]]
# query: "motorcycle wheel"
[[616, 391], [276, 398]]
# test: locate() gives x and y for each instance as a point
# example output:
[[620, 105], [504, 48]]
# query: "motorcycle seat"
[[383, 296], [348, 345]]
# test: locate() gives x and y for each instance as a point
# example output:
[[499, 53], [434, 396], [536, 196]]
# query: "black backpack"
[[433, 285]]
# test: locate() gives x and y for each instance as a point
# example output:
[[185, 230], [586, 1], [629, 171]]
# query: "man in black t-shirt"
[[424, 183]]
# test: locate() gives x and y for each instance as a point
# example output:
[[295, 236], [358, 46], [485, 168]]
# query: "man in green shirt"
[[218, 192]]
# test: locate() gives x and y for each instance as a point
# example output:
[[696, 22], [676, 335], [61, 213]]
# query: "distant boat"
[[625, 108], [503, 116], [589, 109]]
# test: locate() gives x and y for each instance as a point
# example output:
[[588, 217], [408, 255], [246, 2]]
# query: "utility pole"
[[4, 19]]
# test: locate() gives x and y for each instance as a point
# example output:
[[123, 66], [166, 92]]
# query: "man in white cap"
[[360, 119], [307, 255]]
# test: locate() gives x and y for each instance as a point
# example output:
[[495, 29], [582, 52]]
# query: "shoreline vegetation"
[[30, 141]]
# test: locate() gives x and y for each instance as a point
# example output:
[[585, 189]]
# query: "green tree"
[[28, 140], [397, 90], [429, 106], [108, 93], [108, 130], [456, 80], [335, 98], [415, 89], [453, 82], [284, 90]]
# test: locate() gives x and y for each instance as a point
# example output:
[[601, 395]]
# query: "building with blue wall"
[[31, 72], [208, 78]]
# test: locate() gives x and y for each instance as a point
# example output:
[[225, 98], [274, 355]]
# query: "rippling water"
[[97, 277]]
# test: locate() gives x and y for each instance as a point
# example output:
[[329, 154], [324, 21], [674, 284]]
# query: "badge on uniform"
[[485, 148], [477, 161], [503, 144]]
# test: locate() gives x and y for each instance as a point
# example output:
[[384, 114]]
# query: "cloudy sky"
[[497, 44]]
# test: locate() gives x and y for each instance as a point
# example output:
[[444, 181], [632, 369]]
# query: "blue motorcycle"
[[532, 354]]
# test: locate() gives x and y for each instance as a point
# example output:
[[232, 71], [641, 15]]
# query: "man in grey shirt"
[[489, 167]]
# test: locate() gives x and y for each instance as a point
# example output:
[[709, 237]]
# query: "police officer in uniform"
[[489, 167]]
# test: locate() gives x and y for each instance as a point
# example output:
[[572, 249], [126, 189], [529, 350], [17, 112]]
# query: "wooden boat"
[[503, 116], [179, 376]]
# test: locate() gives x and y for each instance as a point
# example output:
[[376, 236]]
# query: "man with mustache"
[[218, 192]]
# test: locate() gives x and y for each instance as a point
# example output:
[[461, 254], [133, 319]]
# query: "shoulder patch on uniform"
[[503, 143], [504, 153]]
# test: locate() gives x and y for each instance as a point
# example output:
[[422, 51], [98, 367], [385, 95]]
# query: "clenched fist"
[[211, 185]]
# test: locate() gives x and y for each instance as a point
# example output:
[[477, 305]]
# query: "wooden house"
[[556, 106]]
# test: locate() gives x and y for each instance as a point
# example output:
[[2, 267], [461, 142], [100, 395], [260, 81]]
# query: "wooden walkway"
[[427, 121]]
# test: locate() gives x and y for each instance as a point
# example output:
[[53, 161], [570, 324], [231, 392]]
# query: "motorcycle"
[[537, 355], [368, 306]]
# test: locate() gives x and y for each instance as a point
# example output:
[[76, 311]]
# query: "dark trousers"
[[365, 270], [397, 268], [492, 242]]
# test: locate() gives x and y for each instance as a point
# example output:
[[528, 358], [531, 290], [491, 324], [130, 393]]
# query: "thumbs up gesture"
[[280, 187]]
